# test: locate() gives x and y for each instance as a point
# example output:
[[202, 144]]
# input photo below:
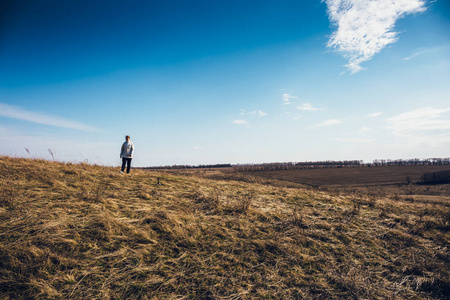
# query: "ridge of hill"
[[77, 231]]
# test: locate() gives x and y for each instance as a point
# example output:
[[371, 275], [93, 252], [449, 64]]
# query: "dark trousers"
[[126, 161]]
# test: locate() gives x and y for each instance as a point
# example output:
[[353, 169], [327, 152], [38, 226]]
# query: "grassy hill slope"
[[76, 231]]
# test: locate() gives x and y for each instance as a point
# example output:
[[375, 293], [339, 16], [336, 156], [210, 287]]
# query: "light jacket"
[[127, 150]]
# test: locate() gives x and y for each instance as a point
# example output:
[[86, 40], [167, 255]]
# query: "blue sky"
[[224, 81]]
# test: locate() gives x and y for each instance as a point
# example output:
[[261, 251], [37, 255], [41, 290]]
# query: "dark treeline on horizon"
[[315, 164], [342, 164]]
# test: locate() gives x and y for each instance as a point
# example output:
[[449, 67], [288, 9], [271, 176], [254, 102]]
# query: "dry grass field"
[[77, 231]]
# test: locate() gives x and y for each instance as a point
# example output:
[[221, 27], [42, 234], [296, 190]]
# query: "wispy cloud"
[[239, 122], [261, 113], [375, 114], [424, 51], [365, 27], [308, 107], [329, 123], [414, 55], [258, 113], [287, 98], [419, 121], [19, 113]]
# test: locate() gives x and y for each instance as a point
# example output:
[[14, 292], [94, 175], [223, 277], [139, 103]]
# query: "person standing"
[[126, 154]]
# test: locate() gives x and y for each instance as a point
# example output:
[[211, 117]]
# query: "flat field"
[[379, 182], [364, 176]]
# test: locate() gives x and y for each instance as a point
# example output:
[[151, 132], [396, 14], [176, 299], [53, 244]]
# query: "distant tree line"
[[340, 164], [177, 167], [276, 166], [412, 162], [296, 165]]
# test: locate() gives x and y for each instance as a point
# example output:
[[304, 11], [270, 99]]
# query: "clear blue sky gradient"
[[202, 82]]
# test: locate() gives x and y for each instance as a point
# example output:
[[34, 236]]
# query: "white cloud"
[[287, 98], [329, 123], [18, 113], [365, 27], [375, 114], [239, 122], [261, 113], [418, 121], [197, 148], [258, 113], [308, 107]]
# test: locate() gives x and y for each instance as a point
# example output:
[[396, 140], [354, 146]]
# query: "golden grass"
[[77, 231]]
